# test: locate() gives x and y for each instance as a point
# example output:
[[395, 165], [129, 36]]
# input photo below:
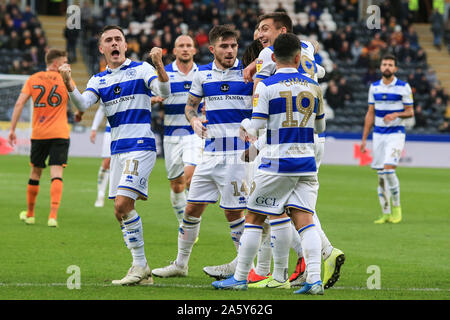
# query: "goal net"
[[10, 87]]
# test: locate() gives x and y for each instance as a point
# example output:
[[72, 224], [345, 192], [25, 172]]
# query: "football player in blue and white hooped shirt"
[[290, 106], [125, 88], [182, 148], [272, 25], [390, 102], [221, 174]]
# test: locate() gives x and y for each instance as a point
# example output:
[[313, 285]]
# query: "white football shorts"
[[129, 173], [273, 193], [187, 151], [106, 145], [387, 149], [219, 176]]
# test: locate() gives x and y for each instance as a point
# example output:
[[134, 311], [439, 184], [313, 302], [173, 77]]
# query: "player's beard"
[[387, 74], [227, 63]]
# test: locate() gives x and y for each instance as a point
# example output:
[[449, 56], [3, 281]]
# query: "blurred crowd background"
[[350, 51]]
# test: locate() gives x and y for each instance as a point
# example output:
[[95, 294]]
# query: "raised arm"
[[163, 85], [81, 101]]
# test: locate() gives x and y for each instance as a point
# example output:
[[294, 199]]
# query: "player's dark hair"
[[222, 32], [53, 54], [286, 47], [110, 27], [390, 57], [280, 20], [251, 52]]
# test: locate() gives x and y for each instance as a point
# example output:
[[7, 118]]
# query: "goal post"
[[10, 88]]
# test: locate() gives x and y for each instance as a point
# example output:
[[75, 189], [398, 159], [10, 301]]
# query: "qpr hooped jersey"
[[265, 66], [389, 99], [126, 95], [175, 123], [227, 101], [290, 102]]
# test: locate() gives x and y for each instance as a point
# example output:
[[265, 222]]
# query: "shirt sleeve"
[[149, 74], [371, 98], [197, 85], [260, 102], [407, 96], [265, 66], [27, 86]]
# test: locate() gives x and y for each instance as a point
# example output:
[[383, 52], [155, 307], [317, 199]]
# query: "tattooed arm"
[[191, 113]]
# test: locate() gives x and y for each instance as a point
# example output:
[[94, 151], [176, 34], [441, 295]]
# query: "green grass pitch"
[[412, 257]]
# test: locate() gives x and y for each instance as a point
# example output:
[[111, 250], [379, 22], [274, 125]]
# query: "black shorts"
[[57, 149]]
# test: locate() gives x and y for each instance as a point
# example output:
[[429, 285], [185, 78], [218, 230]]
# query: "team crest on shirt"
[[117, 90], [187, 86], [225, 87], [259, 64], [131, 73]]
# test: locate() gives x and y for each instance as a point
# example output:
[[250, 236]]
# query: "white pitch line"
[[192, 286]]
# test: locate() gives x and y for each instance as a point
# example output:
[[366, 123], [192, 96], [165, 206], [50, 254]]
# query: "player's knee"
[[123, 206], [177, 185]]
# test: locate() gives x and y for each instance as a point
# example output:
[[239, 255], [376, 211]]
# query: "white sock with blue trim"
[[250, 240], [281, 237], [311, 252], [296, 243], [236, 230], [135, 238], [394, 186], [188, 232]]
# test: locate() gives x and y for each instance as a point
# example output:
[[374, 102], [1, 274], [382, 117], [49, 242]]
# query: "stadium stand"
[[22, 41], [350, 52]]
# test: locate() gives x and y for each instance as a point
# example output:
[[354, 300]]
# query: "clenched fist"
[[156, 55], [66, 73]]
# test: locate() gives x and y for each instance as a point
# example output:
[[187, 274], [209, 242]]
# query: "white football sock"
[[178, 201], [264, 258], [250, 240], [394, 186], [125, 236], [311, 252], [236, 230], [189, 230], [102, 182], [135, 238], [383, 193], [296, 243], [281, 243], [325, 243]]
